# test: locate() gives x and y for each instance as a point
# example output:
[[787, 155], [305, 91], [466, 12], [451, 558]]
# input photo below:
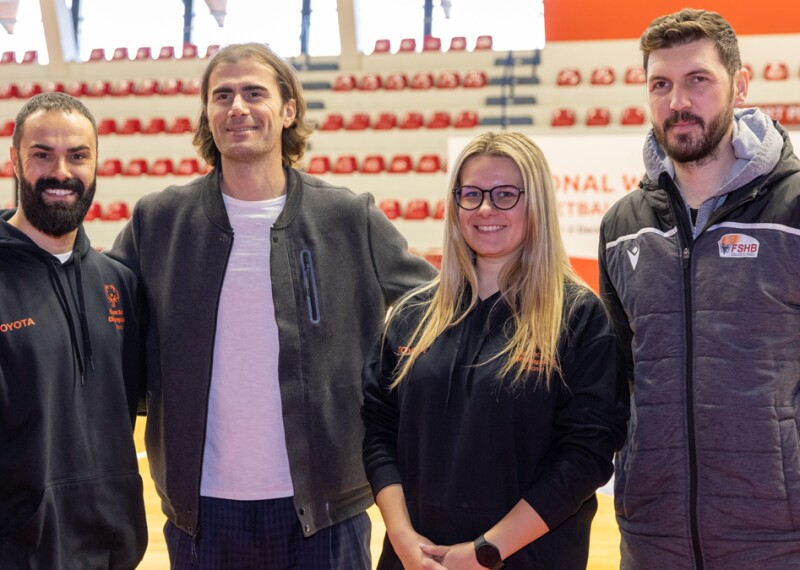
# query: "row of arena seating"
[[144, 53], [597, 117], [433, 44], [417, 209], [471, 79], [375, 164], [137, 167], [605, 75], [360, 121], [102, 88]]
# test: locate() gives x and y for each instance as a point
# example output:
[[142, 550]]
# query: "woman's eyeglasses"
[[502, 197]]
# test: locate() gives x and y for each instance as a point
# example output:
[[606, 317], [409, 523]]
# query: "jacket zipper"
[[686, 242]]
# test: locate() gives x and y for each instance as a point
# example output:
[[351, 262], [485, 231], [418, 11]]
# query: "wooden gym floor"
[[603, 552]]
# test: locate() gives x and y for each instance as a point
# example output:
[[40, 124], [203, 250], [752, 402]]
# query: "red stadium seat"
[[400, 164], [458, 43], [192, 86], [97, 54], [8, 170], [633, 116], [136, 167], [54, 87], [155, 126], [121, 88], [483, 42], [144, 53], [776, 71], [189, 51], [333, 122], [422, 80], [8, 129], [635, 74], [95, 212], [598, 117], [180, 125], [30, 56], [417, 210], [475, 78], [9, 90], [211, 50], [98, 88], [439, 120], [170, 87], [116, 211], [130, 126], [120, 54], [438, 211], [602, 76], [408, 45], [448, 80], [412, 120], [29, 89], [162, 167], [563, 118], [110, 167], [8, 57], [166, 52], [466, 120], [429, 163], [396, 81], [346, 164], [319, 165], [187, 167], [385, 121], [431, 43], [358, 122], [370, 82], [107, 127], [382, 46], [568, 77], [146, 88], [373, 164], [76, 88], [391, 208], [434, 257], [344, 83]]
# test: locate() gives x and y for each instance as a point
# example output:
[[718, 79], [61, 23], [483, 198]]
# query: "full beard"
[[685, 148], [55, 219]]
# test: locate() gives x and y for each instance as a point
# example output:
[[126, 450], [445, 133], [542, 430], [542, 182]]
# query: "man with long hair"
[[699, 271], [265, 287]]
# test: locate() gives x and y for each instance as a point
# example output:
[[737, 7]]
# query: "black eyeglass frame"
[[490, 191]]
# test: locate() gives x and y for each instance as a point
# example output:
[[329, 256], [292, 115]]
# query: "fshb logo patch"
[[738, 245]]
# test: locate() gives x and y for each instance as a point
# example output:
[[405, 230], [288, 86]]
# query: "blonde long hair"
[[531, 283]]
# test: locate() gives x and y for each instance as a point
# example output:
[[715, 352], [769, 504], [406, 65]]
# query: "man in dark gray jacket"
[[265, 287], [700, 269]]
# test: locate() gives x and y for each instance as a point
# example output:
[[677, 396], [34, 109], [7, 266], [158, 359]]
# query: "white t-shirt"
[[245, 455]]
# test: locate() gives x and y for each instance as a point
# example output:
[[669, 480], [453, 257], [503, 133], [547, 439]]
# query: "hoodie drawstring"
[[87, 341]]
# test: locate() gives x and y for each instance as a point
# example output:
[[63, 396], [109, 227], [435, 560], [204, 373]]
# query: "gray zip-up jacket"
[[336, 264], [709, 477]]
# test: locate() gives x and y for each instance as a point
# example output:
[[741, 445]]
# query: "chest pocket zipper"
[[310, 285]]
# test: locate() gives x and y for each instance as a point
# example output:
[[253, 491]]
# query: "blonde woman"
[[495, 400]]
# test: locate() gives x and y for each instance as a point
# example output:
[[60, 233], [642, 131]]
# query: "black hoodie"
[[70, 490]]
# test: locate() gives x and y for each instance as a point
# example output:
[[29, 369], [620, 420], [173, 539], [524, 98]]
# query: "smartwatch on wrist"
[[488, 554]]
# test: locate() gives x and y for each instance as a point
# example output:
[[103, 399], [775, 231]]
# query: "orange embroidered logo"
[[531, 364], [115, 316], [16, 325], [406, 350]]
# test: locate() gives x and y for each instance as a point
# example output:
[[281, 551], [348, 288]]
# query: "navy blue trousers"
[[266, 535]]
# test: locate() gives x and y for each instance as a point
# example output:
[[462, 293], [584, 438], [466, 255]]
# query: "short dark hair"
[[55, 101], [293, 138], [688, 26]]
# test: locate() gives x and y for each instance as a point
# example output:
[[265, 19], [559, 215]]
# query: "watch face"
[[488, 555]]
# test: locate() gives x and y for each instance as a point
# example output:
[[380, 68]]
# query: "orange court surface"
[[603, 551]]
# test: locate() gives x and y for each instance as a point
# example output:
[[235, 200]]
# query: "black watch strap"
[[488, 554]]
